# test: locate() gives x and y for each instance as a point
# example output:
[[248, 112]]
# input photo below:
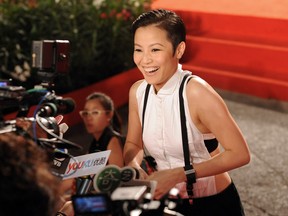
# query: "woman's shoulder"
[[202, 93], [138, 87], [138, 83], [198, 85]]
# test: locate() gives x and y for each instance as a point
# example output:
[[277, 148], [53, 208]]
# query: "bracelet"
[[60, 214], [190, 174]]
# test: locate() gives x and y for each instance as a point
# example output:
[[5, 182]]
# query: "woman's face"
[[153, 55], [95, 119]]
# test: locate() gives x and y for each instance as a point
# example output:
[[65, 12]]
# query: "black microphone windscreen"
[[59, 106], [48, 109], [65, 106], [129, 173]]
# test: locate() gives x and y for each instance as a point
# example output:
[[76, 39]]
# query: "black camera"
[[51, 57], [121, 201]]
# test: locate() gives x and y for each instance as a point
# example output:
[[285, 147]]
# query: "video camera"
[[50, 58], [118, 191]]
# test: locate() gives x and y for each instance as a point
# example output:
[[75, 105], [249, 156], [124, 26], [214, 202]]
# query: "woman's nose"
[[146, 58]]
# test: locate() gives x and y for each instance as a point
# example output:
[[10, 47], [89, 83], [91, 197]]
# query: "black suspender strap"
[[183, 123], [147, 157], [188, 168], [145, 104]]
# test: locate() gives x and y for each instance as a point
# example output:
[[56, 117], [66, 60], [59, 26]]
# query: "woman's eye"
[[137, 50], [95, 112], [84, 114], [155, 50]]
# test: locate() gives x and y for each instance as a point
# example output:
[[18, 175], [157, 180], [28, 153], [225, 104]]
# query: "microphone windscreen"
[[48, 109], [107, 179], [129, 173], [66, 105]]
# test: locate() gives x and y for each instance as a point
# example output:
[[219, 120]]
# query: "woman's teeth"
[[151, 70]]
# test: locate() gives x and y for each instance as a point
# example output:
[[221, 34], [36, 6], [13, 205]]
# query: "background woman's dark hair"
[[108, 104], [166, 20], [27, 186]]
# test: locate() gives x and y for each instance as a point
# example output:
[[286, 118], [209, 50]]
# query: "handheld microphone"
[[85, 185], [129, 174], [59, 106], [111, 177]]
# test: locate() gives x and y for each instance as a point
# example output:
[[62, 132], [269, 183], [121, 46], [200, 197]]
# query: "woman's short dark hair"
[[166, 20]]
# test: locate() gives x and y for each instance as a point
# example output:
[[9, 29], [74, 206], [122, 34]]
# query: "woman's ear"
[[110, 115], [180, 50]]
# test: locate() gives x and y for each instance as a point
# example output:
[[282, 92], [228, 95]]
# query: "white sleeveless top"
[[162, 132]]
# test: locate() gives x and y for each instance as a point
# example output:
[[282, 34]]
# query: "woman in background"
[[103, 123]]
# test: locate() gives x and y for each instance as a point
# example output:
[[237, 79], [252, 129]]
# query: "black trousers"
[[226, 203]]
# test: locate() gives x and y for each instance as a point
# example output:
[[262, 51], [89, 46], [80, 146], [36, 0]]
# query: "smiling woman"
[[182, 113]]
